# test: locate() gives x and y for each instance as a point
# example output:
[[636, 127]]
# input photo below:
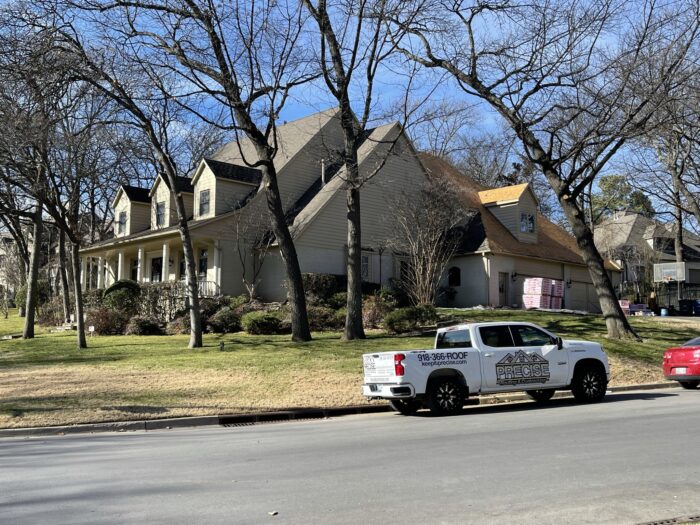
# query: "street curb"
[[268, 417]]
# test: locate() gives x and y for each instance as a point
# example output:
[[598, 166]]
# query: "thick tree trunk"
[[78, 296], [617, 324], [65, 288], [33, 277], [354, 328], [297, 298]]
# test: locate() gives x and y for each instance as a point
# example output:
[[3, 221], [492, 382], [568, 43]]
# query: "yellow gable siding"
[[205, 181], [229, 194]]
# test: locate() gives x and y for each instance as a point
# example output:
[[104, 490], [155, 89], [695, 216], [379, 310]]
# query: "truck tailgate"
[[379, 368]]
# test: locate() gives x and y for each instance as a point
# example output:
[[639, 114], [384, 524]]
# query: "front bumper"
[[389, 391]]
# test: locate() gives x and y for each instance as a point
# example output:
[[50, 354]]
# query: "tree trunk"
[[617, 324], [78, 293], [65, 288], [295, 284], [353, 319], [33, 277]]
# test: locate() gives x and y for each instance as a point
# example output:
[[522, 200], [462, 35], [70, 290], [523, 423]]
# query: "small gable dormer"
[[163, 211], [221, 186], [131, 207], [516, 208]]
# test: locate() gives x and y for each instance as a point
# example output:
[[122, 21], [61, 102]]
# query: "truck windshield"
[[454, 339]]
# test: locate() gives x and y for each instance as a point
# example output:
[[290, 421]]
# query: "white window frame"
[[527, 222], [366, 276], [208, 201], [160, 223], [121, 224]]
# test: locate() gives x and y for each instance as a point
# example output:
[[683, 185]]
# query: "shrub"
[[320, 287], [225, 321], [323, 318], [374, 309], [92, 298], [143, 326], [338, 300], [43, 294], [340, 315], [237, 301], [178, 326], [261, 323], [409, 319], [107, 321], [123, 296], [51, 313]]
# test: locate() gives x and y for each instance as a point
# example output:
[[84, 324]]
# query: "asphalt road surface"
[[631, 459]]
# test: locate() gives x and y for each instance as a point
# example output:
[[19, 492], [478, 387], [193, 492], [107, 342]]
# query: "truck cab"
[[484, 358]]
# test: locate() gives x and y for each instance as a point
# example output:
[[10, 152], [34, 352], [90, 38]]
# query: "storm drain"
[[675, 521]]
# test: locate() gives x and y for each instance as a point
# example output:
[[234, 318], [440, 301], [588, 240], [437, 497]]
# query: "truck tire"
[[445, 396], [541, 396], [589, 384], [689, 385], [407, 407]]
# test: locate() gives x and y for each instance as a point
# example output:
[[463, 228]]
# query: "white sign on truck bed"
[[484, 358]]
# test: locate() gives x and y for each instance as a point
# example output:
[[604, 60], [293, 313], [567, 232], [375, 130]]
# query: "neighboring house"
[[8, 267], [225, 193], [637, 243], [509, 241]]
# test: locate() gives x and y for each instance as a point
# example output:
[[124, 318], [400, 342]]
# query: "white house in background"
[[224, 191]]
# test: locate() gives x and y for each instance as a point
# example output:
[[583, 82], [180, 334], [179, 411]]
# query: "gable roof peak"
[[503, 194]]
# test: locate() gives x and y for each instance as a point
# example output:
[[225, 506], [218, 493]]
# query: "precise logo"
[[522, 369]]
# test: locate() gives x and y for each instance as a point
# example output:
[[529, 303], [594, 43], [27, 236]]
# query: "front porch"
[[151, 261]]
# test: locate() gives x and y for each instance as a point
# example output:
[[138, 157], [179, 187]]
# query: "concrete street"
[[631, 459]]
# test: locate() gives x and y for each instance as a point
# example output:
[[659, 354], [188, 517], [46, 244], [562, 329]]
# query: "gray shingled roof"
[[182, 184], [136, 194], [226, 170]]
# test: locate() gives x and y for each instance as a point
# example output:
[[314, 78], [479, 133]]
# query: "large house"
[[510, 242], [637, 243]]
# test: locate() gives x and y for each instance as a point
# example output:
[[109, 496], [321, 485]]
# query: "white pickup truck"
[[484, 358]]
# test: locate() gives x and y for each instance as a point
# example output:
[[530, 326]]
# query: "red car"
[[682, 364]]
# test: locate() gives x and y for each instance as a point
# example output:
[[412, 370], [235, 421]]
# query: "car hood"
[[574, 344]]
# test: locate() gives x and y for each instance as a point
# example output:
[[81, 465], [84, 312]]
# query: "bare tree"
[[428, 230], [242, 56], [572, 80], [252, 246]]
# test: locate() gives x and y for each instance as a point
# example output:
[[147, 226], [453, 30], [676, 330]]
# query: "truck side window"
[[529, 336], [496, 336], [454, 339]]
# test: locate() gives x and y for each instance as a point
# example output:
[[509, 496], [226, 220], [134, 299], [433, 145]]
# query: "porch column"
[[100, 272], [83, 273], [166, 262], [120, 265], [217, 263], [140, 267]]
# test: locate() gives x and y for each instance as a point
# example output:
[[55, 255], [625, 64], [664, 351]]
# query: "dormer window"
[[121, 224], [527, 223], [203, 202], [160, 214]]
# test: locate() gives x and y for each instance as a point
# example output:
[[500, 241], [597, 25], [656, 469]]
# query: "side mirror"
[[560, 343]]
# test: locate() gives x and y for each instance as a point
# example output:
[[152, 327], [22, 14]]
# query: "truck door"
[[546, 364], [460, 355], [497, 358]]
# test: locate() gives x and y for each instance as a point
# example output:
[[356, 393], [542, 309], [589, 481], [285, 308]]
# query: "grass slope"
[[47, 381]]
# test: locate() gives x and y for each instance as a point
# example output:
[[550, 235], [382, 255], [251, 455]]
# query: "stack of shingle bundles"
[[557, 294], [537, 292]]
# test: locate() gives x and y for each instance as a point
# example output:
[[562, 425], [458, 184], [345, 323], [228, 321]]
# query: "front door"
[[503, 289], [156, 269]]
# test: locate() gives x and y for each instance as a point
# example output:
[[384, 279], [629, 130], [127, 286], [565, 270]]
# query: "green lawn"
[[47, 381]]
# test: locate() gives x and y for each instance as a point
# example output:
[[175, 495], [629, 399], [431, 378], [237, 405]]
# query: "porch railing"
[[205, 288]]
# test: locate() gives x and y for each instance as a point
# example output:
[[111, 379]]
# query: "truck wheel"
[[445, 396], [589, 384], [541, 396], [689, 385], [407, 407]]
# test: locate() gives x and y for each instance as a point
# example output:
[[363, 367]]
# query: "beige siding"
[[474, 286], [508, 215], [205, 181], [402, 172], [138, 216], [528, 206], [161, 194], [188, 200], [229, 194]]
